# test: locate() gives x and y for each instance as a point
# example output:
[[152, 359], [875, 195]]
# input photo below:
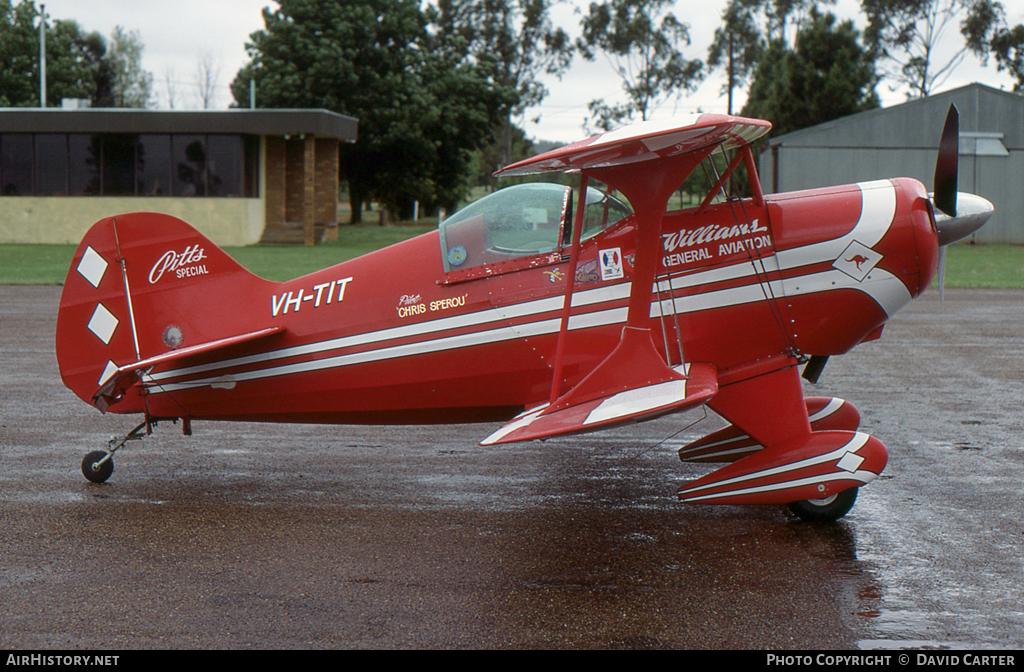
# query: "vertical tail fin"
[[141, 285]]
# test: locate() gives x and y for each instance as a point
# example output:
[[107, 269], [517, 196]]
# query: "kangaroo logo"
[[858, 259]]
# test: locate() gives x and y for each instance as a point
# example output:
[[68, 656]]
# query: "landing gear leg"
[[98, 465]]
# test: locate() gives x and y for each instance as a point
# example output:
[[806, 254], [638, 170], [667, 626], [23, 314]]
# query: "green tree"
[[423, 104], [130, 85], [827, 75], [737, 46], [90, 49], [1007, 45], [519, 37], [905, 34], [988, 34], [69, 73], [77, 63], [500, 152], [641, 39], [748, 26]]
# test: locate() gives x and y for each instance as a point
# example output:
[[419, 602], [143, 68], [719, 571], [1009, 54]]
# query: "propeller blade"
[[946, 166]]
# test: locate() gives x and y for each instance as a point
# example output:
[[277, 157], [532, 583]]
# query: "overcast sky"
[[176, 33]]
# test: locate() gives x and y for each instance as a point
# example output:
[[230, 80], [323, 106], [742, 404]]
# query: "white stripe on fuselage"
[[877, 213], [393, 352], [878, 210]]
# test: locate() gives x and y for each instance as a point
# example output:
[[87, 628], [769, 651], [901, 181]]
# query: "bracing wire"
[[704, 415]]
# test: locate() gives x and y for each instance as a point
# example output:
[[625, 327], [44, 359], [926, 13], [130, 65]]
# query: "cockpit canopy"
[[522, 221]]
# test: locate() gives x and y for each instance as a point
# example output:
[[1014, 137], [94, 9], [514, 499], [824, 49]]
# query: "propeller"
[[947, 165], [957, 215]]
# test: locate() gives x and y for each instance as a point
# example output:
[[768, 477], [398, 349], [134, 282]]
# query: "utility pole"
[[731, 82], [42, 55]]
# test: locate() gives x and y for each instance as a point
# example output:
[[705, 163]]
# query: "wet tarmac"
[[249, 535]]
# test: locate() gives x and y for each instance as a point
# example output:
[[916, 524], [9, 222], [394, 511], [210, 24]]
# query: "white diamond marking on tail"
[[109, 371], [103, 323], [92, 266]]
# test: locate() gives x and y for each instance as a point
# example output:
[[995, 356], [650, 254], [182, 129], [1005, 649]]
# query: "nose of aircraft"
[[971, 214]]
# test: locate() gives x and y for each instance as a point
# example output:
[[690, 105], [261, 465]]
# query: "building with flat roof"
[[239, 176]]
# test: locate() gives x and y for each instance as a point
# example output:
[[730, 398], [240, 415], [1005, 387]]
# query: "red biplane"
[[555, 310]]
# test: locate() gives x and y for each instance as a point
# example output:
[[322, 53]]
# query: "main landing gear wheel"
[[825, 510], [95, 468]]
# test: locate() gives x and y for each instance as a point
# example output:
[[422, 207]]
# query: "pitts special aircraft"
[[556, 311]]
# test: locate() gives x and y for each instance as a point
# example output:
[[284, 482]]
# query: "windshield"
[[602, 211], [521, 221], [518, 221]]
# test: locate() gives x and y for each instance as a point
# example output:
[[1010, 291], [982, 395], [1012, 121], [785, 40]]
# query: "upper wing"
[[645, 141]]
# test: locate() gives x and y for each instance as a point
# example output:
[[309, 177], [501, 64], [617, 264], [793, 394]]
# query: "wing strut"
[[570, 284], [648, 192]]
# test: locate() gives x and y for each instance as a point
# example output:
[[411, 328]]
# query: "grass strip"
[[967, 266]]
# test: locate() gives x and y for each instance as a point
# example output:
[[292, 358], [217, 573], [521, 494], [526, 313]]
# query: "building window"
[[121, 164], [51, 164], [188, 157], [226, 165], [16, 164], [153, 165], [84, 153], [251, 154]]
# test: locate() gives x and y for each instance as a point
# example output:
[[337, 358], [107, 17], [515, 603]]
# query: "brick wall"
[[294, 192], [301, 186], [274, 181], [326, 180]]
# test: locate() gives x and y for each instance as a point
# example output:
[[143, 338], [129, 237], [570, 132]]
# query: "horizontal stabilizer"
[[819, 466], [731, 443], [116, 380], [698, 383]]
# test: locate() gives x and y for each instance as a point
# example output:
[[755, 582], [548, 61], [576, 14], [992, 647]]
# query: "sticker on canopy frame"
[[457, 255]]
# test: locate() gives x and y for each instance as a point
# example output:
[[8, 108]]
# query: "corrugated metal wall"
[[902, 141]]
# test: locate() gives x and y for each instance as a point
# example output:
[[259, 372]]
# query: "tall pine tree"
[[826, 75]]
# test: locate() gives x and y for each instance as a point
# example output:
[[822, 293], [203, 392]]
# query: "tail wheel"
[[95, 468], [825, 510]]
